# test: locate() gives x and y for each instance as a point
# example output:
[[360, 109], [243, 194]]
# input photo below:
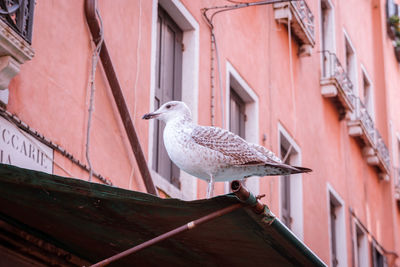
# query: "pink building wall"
[[51, 95]]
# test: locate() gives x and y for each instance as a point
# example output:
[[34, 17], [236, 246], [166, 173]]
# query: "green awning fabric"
[[95, 221]]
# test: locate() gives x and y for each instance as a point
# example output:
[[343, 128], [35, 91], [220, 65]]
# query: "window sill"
[[188, 189]]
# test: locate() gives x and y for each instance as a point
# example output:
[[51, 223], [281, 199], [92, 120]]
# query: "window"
[[183, 22], [391, 8], [285, 188], [327, 32], [368, 96], [361, 246], [351, 63], [168, 87], [378, 259], [241, 109], [291, 186], [337, 229], [333, 223], [237, 116]]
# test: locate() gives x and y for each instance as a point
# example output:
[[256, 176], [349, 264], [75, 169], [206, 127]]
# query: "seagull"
[[214, 154]]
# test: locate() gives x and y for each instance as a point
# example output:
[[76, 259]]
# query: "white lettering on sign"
[[23, 150]]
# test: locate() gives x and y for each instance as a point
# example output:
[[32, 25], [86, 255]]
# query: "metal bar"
[[183, 228], [244, 195], [119, 98]]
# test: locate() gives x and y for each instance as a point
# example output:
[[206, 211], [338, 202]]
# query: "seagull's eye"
[[168, 106]]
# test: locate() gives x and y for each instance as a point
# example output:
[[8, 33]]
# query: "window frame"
[[241, 119], [352, 73], [361, 250], [161, 162], [285, 188], [237, 82], [375, 249], [190, 81], [370, 105], [296, 183], [340, 227], [327, 44]]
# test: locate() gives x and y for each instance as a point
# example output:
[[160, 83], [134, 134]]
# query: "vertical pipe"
[[212, 76]]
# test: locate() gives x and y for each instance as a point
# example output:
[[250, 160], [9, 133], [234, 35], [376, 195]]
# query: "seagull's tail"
[[272, 169], [301, 169]]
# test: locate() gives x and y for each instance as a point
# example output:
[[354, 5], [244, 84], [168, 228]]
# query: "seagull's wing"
[[240, 153], [270, 156], [229, 144]]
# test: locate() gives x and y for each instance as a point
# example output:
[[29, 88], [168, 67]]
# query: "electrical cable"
[[209, 21], [137, 60], [236, 2], [95, 59], [212, 79], [291, 72], [219, 80]]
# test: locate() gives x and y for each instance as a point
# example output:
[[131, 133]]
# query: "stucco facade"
[[276, 73]]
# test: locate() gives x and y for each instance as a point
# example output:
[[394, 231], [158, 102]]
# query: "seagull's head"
[[170, 110]]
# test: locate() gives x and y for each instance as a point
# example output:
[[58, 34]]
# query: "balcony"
[[16, 20], [299, 17], [361, 126], [335, 84], [382, 152]]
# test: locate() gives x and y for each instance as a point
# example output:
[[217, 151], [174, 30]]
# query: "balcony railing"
[[383, 151], [362, 126], [336, 83], [306, 17], [361, 114], [298, 16], [18, 14]]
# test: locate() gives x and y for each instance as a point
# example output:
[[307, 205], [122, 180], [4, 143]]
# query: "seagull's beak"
[[149, 116]]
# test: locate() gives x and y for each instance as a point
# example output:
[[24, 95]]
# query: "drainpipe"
[[90, 8]]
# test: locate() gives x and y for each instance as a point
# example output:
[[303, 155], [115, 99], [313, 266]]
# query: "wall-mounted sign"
[[23, 150]]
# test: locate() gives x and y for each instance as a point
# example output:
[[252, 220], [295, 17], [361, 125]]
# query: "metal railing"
[[383, 151], [332, 68], [305, 15], [361, 113], [18, 14]]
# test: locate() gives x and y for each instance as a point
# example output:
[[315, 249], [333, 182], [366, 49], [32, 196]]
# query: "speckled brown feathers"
[[240, 153], [236, 150]]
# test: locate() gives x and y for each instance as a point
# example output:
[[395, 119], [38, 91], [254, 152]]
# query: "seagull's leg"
[[210, 187]]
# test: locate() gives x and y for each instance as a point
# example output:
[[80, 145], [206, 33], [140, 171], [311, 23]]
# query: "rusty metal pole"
[[241, 193], [183, 228], [90, 11], [245, 196]]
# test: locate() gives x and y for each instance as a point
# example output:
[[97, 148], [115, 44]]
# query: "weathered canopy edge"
[[95, 221]]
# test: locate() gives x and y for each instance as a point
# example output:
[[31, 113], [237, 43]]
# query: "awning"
[[95, 221]]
